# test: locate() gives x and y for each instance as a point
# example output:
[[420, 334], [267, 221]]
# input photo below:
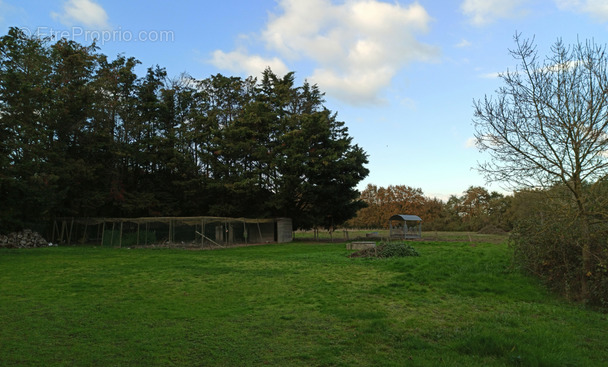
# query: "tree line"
[[83, 135], [475, 209]]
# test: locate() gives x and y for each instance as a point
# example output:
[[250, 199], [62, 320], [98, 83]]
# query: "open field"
[[301, 304]]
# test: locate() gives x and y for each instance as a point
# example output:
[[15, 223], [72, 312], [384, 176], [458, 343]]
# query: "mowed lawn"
[[298, 304]]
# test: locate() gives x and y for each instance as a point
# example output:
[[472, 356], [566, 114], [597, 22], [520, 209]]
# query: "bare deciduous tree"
[[548, 124]]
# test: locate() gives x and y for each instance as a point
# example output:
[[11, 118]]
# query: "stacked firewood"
[[24, 239]]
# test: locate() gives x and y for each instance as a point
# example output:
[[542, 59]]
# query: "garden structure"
[[171, 231], [403, 226]]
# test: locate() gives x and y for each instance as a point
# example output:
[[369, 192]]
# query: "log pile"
[[24, 239]]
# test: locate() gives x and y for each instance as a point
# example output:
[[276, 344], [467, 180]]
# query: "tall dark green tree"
[[27, 182], [74, 69], [82, 135], [317, 165], [114, 104]]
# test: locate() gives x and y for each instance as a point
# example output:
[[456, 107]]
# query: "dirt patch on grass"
[[386, 250]]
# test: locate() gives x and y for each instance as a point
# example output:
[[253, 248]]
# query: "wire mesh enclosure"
[[402, 226], [171, 231]]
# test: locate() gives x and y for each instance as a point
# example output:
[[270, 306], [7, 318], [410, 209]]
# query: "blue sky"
[[402, 75]]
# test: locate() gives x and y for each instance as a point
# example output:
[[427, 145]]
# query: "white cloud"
[[83, 12], [463, 43], [409, 103], [598, 9], [471, 142], [357, 46], [239, 60], [482, 12], [360, 88]]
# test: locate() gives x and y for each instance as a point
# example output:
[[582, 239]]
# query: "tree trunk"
[[587, 265], [587, 261]]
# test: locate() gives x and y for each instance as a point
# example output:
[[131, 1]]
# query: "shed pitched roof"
[[406, 217]]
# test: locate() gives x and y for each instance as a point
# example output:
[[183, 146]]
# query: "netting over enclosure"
[[405, 226], [186, 231]]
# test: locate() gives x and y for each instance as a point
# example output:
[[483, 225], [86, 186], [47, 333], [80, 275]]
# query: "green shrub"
[[392, 249], [547, 240]]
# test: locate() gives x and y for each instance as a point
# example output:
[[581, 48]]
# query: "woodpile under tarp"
[[24, 239]]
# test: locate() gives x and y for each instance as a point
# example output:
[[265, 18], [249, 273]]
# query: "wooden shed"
[[405, 226]]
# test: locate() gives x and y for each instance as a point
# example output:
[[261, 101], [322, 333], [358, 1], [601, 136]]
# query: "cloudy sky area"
[[402, 74]]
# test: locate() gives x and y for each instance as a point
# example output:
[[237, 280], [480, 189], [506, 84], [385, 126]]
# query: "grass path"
[[285, 305]]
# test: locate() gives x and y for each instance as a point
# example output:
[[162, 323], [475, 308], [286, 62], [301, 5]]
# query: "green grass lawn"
[[457, 304], [340, 235]]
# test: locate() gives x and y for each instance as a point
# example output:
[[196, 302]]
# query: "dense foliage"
[[547, 240], [475, 209], [82, 135]]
